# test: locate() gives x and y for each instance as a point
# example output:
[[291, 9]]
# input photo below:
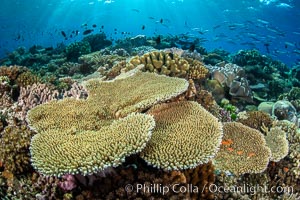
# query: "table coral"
[[146, 89], [277, 142], [74, 135], [243, 150], [185, 136], [58, 151]]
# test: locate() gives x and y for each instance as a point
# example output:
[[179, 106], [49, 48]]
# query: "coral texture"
[[58, 151], [278, 144], [185, 136], [243, 150], [170, 64], [144, 90], [255, 119], [233, 77], [84, 136], [14, 144]]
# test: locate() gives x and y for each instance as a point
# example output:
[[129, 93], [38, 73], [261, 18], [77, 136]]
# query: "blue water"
[[271, 26]]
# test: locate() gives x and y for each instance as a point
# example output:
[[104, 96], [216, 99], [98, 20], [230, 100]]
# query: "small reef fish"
[[251, 154], [296, 51], [227, 142], [158, 40], [143, 27], [88, 31], [135, 10], [64, 34], [230, 149], [284, 5], [289, 44], [263, 21]]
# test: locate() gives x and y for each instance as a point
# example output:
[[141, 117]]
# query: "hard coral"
[[162, 63], [255, 119], [152, 89], [12, 72], [185, 136], [14, 148], [278, 143], [27, 78], [59, 151], [70, 129], [243, 150]]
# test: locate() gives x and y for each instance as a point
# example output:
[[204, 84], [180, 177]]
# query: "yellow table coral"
[[185, 136], [243, 150], [86, 136]]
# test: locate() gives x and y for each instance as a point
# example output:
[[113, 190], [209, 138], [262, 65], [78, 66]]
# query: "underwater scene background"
[[170, 99]]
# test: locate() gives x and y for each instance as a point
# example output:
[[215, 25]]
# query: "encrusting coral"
[[278, 144], [243, 150], [185, 136], [84, 136]]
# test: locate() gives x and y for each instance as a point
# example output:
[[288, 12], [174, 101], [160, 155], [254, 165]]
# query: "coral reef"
[[255, 119], [156, 88], [185, 136], [101, 62], [33, 95], [12, 72], [232, 77], [284, 110], [162, 63], [14, 145], [243, 150], [76, 49], [27, 78], [97, 41]]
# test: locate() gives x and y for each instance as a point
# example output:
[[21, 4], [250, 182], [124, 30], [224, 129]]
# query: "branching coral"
[[27, 78], [185, 136], [14, 144], [12, 72], [243, 150]]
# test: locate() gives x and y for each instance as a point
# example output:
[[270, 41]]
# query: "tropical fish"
[[135, 10], [88, 31], [284, 5]]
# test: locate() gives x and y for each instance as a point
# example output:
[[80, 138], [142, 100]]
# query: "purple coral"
[[68, 182]]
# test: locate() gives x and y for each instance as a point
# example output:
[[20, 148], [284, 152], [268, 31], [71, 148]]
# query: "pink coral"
[[68, 183]]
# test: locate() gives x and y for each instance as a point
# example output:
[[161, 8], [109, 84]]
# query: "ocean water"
[[271, 26]]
